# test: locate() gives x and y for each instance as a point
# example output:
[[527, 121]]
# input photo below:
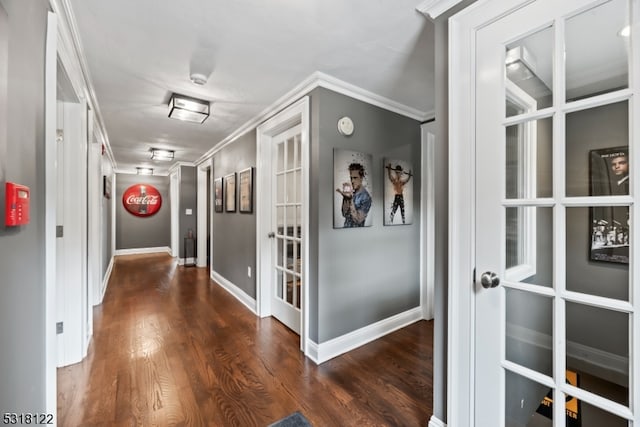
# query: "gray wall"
[[368, 274], [188, 193], [22, 252], [602, 127], [134, 232], [107, 218], [234, 233]]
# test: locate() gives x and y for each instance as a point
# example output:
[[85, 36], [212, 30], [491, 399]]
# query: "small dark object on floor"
[[294, 420]]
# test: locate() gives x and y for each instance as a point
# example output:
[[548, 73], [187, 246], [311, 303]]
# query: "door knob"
[[271, 235], [489, 279]]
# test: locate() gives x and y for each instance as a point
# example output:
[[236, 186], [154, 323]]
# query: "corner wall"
[[22, 250], [364, 275], [188, 196]]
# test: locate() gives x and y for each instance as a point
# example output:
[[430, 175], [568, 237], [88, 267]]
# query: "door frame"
[[297, 113], [461, 300], [50, 306], [174, 192], [202, 218], [427, 220]]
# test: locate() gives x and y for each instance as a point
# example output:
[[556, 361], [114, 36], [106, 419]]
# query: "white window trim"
[[527, 249]]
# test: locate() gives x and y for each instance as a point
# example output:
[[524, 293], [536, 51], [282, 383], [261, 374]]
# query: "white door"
[[555, 305], [287, 227]]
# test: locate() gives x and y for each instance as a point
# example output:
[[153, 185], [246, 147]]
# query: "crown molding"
[[340, 86], [315, 80], [72, 54], [177, 165], [435, 8]]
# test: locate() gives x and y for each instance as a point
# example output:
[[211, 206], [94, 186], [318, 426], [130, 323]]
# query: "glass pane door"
[[555, 337], [287, 208]]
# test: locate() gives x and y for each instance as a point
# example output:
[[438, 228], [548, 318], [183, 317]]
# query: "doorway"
[[535, 296], [282, 198]]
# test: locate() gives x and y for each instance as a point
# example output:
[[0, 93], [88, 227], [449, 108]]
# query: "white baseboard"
[[190, 260], [235, 291], [105, 281], [322, 352], [435, 422], [311, 351], [138, 251]]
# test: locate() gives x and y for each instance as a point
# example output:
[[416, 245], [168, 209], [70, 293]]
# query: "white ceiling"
[[254, 51]]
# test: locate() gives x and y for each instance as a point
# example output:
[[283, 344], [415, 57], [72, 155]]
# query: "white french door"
[[287, 227], [556, 312]]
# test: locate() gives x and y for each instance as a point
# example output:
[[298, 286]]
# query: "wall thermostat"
[[345, 126]]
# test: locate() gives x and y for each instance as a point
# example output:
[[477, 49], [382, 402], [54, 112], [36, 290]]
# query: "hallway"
[[170, 347]]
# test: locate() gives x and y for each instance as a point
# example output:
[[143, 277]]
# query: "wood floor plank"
[[172, 348]]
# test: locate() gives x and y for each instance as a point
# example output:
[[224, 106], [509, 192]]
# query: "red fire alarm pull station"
[[16, 204]]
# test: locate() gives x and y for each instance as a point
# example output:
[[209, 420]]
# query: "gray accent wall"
[[188, 193], [22, 249], [134, 232], [234, 233], [367, 274], [107, 218]]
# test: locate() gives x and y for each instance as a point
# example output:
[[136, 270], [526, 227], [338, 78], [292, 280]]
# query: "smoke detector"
[[198, 79]]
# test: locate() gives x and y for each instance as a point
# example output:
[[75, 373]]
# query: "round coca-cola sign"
[[142, 200]]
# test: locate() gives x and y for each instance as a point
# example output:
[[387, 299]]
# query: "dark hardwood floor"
[[172, 348]]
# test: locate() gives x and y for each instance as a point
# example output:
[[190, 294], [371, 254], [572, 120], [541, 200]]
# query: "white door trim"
[[51, 357], [202, 219], [174, 192], [461, 309], [94, 201], [294, 114], [427, 221]]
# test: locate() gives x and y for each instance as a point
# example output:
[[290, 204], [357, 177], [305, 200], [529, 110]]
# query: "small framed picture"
[[398, 192], [217, 195], [245, 178], [230, 192], [106, 186]]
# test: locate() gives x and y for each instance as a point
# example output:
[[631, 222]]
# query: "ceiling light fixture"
[[188, 109], [159, 154], [144, 171], [521, 70]]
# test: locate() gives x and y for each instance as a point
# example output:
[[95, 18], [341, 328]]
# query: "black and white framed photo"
[[245, 181], [353, 189], [217, 195], [609, 171], [230, 192], [106, 186], [609, 176], [398, 192]]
